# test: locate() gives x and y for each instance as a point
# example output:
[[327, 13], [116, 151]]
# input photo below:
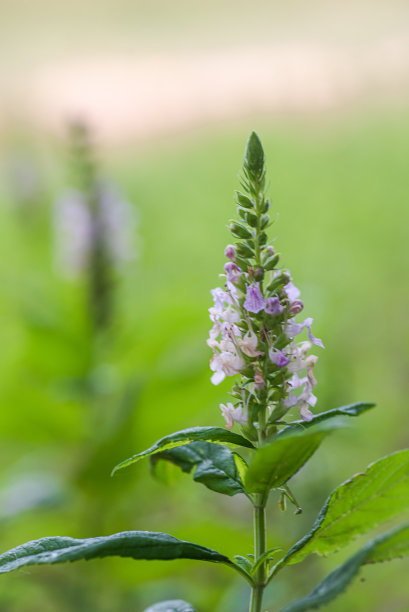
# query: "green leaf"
[[357, 505], [244, 563], [133, 544], [176, 605], [214, 465], [275, 462], [180, 438], [388, 546], [350, 410], [265, 556]]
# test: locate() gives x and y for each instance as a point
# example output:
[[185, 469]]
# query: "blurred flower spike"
[[93, 218], [78, 228], [254, 332]]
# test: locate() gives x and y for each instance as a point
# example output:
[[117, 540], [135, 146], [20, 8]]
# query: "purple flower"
[[293, 329], [233, 272], [273, 306], [305, 412], [254, 301], [296, 306], [225, 364], [233, 415], [292, 291], [230, 252], [73, 232], [278, 358], [220, 297]]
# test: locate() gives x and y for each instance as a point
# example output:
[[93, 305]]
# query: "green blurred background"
[[171, 91]]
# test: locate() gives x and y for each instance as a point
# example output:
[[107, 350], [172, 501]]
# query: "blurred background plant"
[[169, 93]]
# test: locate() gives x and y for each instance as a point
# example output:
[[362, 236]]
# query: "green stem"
[[257, 246], [259, 522], [259, 549]]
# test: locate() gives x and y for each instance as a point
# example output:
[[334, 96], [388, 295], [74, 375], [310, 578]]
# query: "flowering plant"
[[255, 338]]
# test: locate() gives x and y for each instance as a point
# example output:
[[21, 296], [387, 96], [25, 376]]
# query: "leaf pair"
[[200, 449], [224, 471]]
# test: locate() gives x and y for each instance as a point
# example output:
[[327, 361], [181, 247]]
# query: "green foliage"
[[214, 465], [388, 546], [280, 458], [180, 438], [134, 544], [364, 501], [353, 166], [176, 605]]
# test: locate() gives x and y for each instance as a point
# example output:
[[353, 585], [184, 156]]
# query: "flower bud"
[[264, 221], [259, 381], [251, 219], [296, 306], [278, 281], [233, 271], [239, 230], [242, 263], [271, 262], [254, 157], [244, 201], [262, 239], [230, 252], [244, 250], [258, 274]]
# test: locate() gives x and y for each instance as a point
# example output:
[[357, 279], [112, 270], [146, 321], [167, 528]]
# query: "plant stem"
[[259, 549]]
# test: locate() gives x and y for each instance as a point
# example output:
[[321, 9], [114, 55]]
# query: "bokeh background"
[[170, 92]]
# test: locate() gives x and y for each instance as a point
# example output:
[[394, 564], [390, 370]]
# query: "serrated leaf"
[[214, 465], [357, 505], [275, 462], [180, 438], [352, 410], [175, 605], [388, 546], [134, 544], [394, 546]]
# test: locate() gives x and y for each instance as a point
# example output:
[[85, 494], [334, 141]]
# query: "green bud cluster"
[[258, 260], [252, 206]]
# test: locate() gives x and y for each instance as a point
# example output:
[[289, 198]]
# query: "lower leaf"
[[214, 465], [390, 545], [134, 544]]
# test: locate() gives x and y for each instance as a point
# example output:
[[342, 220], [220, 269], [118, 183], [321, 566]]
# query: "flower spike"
[[254, 334]]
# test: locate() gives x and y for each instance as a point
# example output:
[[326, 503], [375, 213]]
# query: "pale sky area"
[[137, 69]]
